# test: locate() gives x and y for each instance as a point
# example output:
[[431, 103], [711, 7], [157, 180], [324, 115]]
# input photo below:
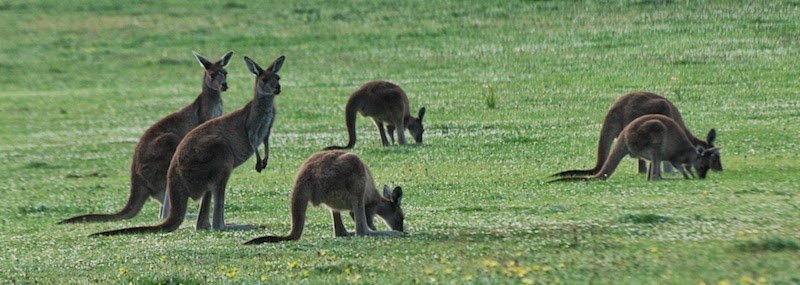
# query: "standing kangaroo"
[[656, 138], [157, 145], [205, 159], [343, 182], [383, 102], [626, 109]]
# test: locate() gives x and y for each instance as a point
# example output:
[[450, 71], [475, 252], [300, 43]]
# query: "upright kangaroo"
[[343, 182], [625, 110], [207, 155], [157, 145], [383, 102], [656, 138]]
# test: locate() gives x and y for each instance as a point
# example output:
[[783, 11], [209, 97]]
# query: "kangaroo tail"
[[617, 154], [271, 239], [135, 203], [608, 132], [299, 205], [350, 120], [177, 212], [571, 179]]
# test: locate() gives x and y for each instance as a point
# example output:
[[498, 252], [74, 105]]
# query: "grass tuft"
[[773, 244], [644, 219]]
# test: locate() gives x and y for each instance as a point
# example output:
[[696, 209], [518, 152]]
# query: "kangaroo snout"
[[224, 86]]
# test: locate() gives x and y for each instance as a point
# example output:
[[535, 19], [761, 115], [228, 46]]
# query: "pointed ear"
[[700, 150], [226, 59], [387, 192], [203, 62], [275, 66], [252, 66], [421, 113], [711, 137], [397, 195]]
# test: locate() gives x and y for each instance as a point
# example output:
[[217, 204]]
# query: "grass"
[[83, 79]]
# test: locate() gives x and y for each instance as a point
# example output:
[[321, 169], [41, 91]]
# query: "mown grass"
[[83, 79]]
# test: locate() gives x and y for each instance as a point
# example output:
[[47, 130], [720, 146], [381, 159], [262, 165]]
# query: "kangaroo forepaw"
[[259, 167]]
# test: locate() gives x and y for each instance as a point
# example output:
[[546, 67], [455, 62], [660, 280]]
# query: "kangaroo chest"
[[261, 127]]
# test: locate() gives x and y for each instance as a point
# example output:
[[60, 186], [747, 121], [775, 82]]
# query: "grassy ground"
[[81, 80]]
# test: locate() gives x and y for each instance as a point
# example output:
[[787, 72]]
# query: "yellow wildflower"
[[122, 271], [293, 264], [490, 263]]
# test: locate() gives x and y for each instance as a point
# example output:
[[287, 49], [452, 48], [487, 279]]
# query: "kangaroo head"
[[414, 125], [215, 77], [716, 162], [390, 209], [705, 159], [266, 80]]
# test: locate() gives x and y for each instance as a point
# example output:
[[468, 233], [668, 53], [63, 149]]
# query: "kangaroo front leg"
[[655, 169], [262, 164], [680, 169], [338, 226], [401, 132], [379, 125], [390, 132], [362, 227]]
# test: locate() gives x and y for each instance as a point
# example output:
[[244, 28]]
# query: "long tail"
[[571, 179], [608, 132], [298, 208], [177, 213], [350, 121], [135, 203], [617, 154]]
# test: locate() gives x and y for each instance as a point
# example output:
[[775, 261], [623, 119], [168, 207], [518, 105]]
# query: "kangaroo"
[[205, 158], [384, 102], [626, 109], [343, 182], [157, 145], [656, 138]]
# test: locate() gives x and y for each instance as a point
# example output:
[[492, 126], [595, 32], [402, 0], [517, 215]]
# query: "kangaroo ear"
[[700, 150], [387, 192], [203, 62], [397, 195], [275, 66], [421, 113], [252, 66], [226, 59], [711, 137]]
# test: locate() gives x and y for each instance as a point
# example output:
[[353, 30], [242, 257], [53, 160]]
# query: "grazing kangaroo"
[[205, 159], [656, 138], [626, 109], [156, 146], [384, 102], [343, 182]]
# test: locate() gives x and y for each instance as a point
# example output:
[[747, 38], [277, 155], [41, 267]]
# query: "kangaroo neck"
[[261, 108], [208, 104]]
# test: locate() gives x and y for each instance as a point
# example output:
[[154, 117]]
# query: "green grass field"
[[81, 80]]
